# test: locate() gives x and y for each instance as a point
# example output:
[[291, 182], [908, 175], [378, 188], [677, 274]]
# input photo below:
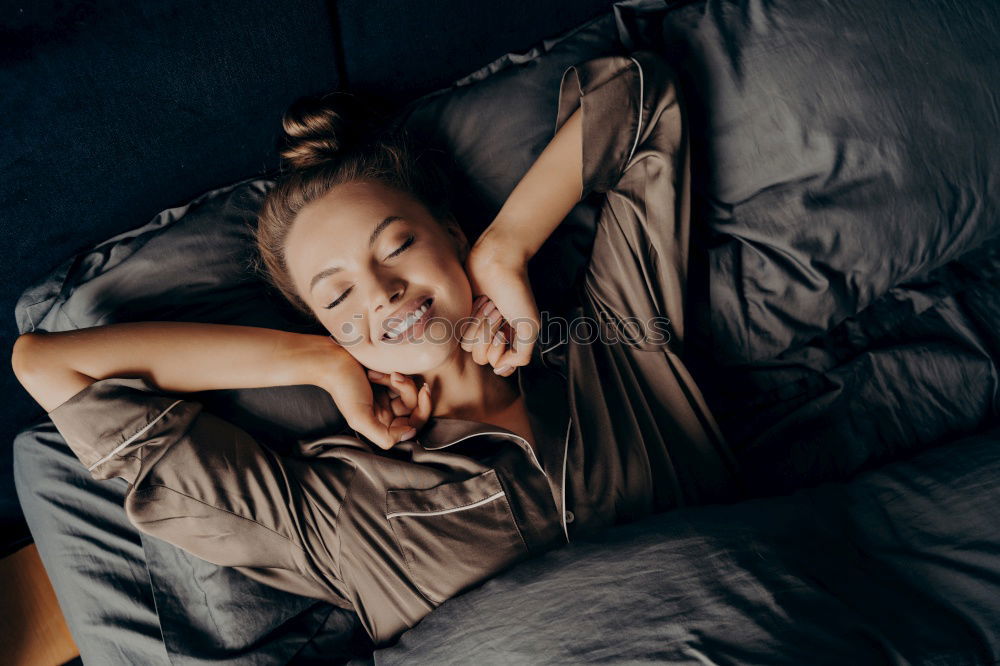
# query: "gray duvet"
[[900, 566]]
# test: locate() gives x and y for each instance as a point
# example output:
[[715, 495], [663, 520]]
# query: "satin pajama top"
[[621, 427]]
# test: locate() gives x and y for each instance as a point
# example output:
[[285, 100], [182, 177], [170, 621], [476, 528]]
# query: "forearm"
[[543, 197], [175, 356]]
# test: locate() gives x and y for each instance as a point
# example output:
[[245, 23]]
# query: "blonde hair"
[[328, 141]]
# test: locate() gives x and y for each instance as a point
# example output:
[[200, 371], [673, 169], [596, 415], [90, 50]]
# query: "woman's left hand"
[[401, 403], [505, 320]]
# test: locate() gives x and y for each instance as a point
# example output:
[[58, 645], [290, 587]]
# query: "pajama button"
[[569, 516]]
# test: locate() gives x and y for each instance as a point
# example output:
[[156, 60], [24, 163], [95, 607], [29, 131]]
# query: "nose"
[[388, 291]]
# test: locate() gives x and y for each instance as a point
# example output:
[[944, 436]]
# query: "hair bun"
[[318, 128]]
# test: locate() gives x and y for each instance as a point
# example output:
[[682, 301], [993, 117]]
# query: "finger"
[[367, 425], [472, 331], [525, 332], [398, 408], [472, 334], [406, 388], [388, 411], [498, 346], [422, 413], [494, 320], [479, 341], [383, 410], [383, 379], [477, 305], [419, 416], [401, 429], [385, 416]]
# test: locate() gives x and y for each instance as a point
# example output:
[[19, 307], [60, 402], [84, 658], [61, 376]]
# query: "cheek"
[[346, 329], [451, 272], [439, 269], [350, 333]]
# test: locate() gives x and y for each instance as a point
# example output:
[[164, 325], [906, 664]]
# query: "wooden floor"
[[32, 629]]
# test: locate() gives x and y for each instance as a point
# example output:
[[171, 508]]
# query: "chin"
[[422, 357]]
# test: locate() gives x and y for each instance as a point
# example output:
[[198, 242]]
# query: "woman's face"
[[382, 275]]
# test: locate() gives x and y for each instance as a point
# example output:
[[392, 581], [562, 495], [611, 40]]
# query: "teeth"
[[410, 320]]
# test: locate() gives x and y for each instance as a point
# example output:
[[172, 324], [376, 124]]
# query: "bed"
[[845, 300]]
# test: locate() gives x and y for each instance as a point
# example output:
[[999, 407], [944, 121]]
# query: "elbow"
[[24, 358], [27, 360], [45, 381]]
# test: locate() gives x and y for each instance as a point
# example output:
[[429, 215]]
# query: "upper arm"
[[50, 385]]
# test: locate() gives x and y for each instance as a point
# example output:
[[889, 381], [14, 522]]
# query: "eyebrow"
[[379, 228]]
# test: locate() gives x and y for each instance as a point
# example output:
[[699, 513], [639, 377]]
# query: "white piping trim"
[[565, 456], [546, 351], [396, 514], [133, 437], [639, 131], [531, 449]]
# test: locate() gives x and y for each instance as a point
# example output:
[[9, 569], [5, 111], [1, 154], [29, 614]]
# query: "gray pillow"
[[839, 149], [190, 263]]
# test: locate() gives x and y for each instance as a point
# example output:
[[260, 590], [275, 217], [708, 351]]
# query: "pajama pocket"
[[456, 534]]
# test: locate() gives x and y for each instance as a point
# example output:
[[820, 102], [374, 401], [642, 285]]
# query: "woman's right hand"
[[385, 421], [505, 322]]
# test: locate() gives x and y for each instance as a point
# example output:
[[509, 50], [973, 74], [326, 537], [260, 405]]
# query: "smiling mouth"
[[408, 321]]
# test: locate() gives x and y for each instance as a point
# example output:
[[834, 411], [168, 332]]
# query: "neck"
[[461, 388]]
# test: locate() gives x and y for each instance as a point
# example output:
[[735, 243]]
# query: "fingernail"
[[502, 369], [494, 316], [375, 374], [396, 377], [489, 308], [409, 434]]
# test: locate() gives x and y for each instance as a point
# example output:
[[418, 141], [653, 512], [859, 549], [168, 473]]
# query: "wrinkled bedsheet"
[[899, 566]]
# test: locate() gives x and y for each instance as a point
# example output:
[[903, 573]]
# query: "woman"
[[477, 447]]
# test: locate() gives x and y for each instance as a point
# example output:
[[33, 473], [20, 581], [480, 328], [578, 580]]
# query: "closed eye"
[[340, 299], [402, 248]]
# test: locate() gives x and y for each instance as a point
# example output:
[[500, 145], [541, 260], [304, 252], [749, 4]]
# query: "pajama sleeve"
[[197, 481], [610, 93], [635, 151], [114, 423]]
